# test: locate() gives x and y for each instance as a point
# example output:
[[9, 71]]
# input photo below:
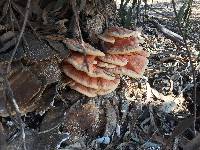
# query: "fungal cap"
[[137, 63], [91, 82], [92, 70], [90, 92], [80, 76], [121, 32], [123, 46], [82, 89], [118, 60], [86, 48], [107, 38], [102, 64], [124, 71], [124, 49], [135, 67]]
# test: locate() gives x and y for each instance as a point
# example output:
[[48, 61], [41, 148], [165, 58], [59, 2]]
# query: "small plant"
[[127, 12]]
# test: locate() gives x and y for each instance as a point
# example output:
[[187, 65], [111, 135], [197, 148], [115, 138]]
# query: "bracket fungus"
[[90, 92], [88, 65], [125, 50], [87, 77], [91, 82], [118, 60], [107, 38], [93, 72], [120, 32], [102, 64], [86, 48]]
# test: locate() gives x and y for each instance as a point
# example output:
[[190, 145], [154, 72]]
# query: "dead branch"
[[20, 35], [168, 33], [12, 101], [191, 64], [9, 92]]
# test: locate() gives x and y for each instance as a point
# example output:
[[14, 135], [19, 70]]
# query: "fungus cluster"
[[87, 77], [93, 72], [122, 49]]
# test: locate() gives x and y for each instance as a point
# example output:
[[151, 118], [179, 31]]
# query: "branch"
[[168, 33], [9, 92], [191, 64], [10, 97], [20, 35]]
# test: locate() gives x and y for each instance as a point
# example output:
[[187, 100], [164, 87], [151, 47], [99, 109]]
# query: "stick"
[[20, 35], [76, 15], [9, 92], [11, 99], [168, 33], [191, 64]]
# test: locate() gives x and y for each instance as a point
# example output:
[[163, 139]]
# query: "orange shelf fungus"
[[120, 32], [90, 92], [87, 73], [125, 50], [93, 72], [118, 60], [88, 65], [91, 82], [86, 48], [102, 64], [107, 38]]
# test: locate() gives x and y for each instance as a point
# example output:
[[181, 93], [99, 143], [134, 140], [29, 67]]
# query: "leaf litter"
[[152, 113]]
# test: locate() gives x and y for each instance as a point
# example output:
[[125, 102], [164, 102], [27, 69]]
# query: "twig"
[[2, 137], [49, 130], [7, 36], [20, 35], [142, 146], [76, 15], [18, 26], [9, 92], [11, 99], [191, 64], [168, 33], [29, 24]]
